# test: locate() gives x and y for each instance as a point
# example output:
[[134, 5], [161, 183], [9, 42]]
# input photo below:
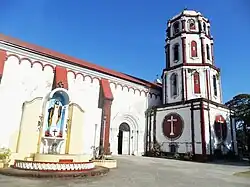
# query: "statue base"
[[56, 163], [61, 158]]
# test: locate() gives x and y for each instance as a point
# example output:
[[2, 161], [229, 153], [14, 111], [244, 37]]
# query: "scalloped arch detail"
[[20, 60]]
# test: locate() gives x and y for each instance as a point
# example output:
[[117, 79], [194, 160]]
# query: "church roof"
[[75, 61]]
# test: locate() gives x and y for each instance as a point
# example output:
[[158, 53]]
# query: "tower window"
[[193, 49], [197, 89], [204, 27], [215, 85], [191, 24], [176, 52], [208, 31], [208, 52], [176, 27], [174, 81]]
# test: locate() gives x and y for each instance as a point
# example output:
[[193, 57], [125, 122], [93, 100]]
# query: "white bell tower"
[[190, 72]]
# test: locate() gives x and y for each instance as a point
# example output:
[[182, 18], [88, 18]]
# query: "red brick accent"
[[66, 161], [196, 82], [60, 78], [185, 77], [3, 58], [203, 50], [193, 49], [203, 139], [212, 52], [107, 102], [208, 85], [184, 49], [107, 113], [107, 93]]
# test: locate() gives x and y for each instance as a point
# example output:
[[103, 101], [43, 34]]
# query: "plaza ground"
[[142, 172]]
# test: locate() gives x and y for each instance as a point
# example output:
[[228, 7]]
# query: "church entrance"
[[124, 139]]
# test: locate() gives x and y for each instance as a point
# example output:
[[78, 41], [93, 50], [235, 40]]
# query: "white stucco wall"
[[173, 42], [188, 80], [214, 98], [129, 106], [167, 76], [22, 82], [215, 111], [184, 142]]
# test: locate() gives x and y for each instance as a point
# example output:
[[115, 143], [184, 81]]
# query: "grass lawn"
[[243, 174]]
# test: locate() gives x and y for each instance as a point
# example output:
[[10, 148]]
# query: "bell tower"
[[190, 72]]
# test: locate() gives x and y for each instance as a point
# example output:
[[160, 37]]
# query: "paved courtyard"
[[143, 172]]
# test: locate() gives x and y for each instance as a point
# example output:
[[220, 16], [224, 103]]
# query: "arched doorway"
[[124, 139]]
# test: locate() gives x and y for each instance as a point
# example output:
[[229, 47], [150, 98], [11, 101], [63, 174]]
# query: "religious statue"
[[54, 116]]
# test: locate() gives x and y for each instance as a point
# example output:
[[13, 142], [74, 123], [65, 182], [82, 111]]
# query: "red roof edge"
[[74, 61], [107, 93]]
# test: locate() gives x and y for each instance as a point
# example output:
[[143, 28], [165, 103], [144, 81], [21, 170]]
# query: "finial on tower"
[[158, 80]]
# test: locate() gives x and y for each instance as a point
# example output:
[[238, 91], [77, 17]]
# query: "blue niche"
[[55, 115]]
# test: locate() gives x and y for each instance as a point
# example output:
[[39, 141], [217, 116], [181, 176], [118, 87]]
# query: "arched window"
[[193, 49], [176, 52], [208, 31], [176, 27], [208, 52], [174, 82], [204, 27], [215, 85], [191, 24], [197, 89]]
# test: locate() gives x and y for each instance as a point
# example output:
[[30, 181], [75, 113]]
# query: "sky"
[[129, 36]]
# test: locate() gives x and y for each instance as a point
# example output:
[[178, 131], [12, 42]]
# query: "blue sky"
[[128, 36]]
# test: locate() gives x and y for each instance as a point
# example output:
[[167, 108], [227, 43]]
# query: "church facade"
[[59, 103], [54, 103], [192, 118]]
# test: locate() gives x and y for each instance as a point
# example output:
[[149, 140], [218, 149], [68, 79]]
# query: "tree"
[[241, 106]]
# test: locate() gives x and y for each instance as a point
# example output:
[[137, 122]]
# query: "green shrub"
[[5, 154]]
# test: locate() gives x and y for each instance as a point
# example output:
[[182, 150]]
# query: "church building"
[[191, 118], [57, 104]]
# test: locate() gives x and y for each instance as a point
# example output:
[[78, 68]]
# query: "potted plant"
[[5, 156]]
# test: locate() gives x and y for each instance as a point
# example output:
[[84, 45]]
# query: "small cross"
[[54, 131], [172, 120]]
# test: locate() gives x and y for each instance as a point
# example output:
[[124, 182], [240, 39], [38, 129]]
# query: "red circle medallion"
[[172, 126]]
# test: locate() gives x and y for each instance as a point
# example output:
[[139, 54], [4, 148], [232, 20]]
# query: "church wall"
[[91, 130], [129, 106], [184, 142], [23, 80], [203, 84], [215, 111], [34, 78]]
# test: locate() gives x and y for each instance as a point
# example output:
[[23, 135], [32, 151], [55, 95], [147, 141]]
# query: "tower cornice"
[[188, 32], [188, 65]]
